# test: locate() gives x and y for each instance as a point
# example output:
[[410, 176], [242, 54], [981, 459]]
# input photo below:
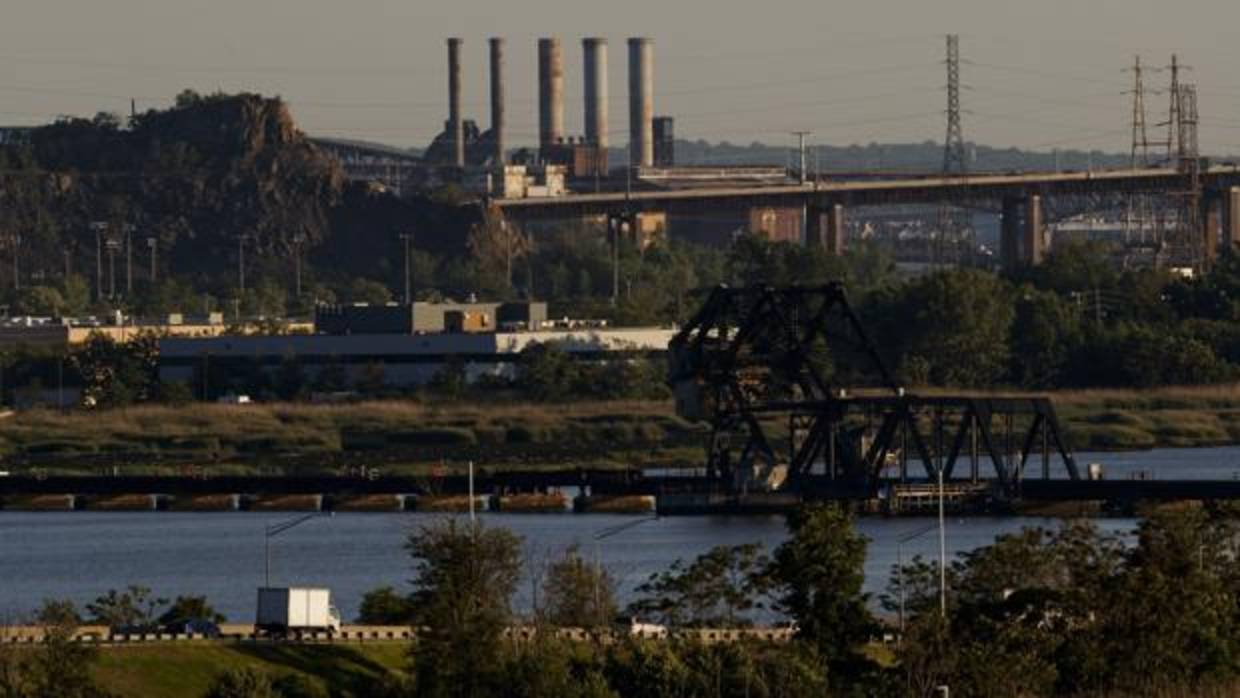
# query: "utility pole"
[[407, 238]]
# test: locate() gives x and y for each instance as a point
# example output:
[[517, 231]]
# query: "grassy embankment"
[[413, 439], [175, 671], [1167, 417], [397, 437]]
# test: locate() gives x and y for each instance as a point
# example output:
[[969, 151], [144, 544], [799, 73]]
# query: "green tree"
[[959, 322], [549, 666], [383, 606], [578, 593], [369, 291], [1043, 334], [547, 373], [41, 300], [188, 608], [465, 576], [818, 574], [59, 667], [134, 608], [718, 589]]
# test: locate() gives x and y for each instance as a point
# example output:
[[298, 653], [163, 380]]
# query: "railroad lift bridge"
[[799, 399]]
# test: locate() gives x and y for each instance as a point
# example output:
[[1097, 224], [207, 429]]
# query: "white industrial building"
[[405, 359]]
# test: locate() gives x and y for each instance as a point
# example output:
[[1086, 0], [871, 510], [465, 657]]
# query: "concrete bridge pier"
[[1222, 221], [825, 227], [1022, 232]]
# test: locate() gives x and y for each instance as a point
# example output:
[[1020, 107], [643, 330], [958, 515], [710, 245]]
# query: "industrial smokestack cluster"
[[551, 98]]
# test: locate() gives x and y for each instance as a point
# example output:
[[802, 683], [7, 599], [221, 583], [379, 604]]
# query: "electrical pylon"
[[950, 226]]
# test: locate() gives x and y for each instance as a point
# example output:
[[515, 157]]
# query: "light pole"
[[100, 227], [273, 530]]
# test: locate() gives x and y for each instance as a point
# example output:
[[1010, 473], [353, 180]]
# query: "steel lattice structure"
[[767, 368]]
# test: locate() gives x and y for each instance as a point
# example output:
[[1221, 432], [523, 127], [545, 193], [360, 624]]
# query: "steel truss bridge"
[[766, 368]]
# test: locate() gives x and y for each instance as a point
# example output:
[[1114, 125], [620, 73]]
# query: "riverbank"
[[416, 439]]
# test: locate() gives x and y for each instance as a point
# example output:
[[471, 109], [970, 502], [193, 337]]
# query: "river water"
[[80, 555]]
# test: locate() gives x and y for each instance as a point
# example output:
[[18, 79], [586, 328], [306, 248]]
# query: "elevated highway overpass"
[[1020, 197]]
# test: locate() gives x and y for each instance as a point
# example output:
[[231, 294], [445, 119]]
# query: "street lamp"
[[273, 530]]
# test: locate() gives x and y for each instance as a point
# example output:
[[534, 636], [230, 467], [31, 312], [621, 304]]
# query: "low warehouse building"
[[404, 360]]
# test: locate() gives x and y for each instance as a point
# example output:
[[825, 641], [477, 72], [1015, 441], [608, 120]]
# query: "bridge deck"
[[887, 191]]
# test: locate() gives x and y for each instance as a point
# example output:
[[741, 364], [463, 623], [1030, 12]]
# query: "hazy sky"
[[1041, 74]]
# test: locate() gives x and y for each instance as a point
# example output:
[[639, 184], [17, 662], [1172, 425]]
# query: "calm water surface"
[[80, 555]]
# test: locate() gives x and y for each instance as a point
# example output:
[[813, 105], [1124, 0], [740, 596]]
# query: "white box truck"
[[285, 610]]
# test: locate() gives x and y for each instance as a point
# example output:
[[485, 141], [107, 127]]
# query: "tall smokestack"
[[456, 127], [596, 91], [497, 98], [550, 92], [641, 102]]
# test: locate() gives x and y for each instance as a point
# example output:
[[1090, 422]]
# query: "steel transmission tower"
[[1173, 111], [1137, 217], [953, 144], [952, 226], [1188, 157], [1140, 140]]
